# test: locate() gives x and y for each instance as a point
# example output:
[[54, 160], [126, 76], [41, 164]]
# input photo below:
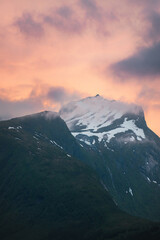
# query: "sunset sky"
[[52, 52]]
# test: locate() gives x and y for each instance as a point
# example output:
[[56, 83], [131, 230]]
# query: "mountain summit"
[[127, 152], [102, 119]]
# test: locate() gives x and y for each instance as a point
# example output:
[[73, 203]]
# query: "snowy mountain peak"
[[96, 112], [95, 117]]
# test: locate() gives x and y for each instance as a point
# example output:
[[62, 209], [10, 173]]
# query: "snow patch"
[[11, 128], [149, 180], [132, 139], [115, 201], [15, 128], [124, 127], [104, 186], [18, 139], [35, 137], [139, 138], [53, 142], [130, 191], [87, 142], [154, 181]]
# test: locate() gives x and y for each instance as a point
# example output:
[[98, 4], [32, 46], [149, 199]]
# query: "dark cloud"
[[145, 63], [29, 27], [153, 31], [10, 109], [67, 19], [65, 12], [91, 8], [61, 95], [98, 17], [147, 5], [64, 19], [57, 94], [35, 102], [94, 11]]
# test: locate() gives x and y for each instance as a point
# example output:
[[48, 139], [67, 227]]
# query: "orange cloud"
[[66, 48]]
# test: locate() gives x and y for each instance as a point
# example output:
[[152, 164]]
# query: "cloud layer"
[[28, 26], [10, 109], [55, 97], [153, 30], [75, 47], [144, 64]]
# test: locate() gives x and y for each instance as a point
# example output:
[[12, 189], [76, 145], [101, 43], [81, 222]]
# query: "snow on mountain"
[[127, 125], [90, 116]]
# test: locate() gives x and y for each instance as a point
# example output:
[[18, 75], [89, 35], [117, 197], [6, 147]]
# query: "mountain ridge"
[[48, 194], [127, 151]]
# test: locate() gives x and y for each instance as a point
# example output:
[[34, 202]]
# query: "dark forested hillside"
[[46, 193]]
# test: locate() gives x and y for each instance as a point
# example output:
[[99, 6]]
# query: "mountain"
[[127, 151], [46, 193]]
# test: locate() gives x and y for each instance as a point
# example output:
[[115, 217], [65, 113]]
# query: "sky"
[[53, 52]]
